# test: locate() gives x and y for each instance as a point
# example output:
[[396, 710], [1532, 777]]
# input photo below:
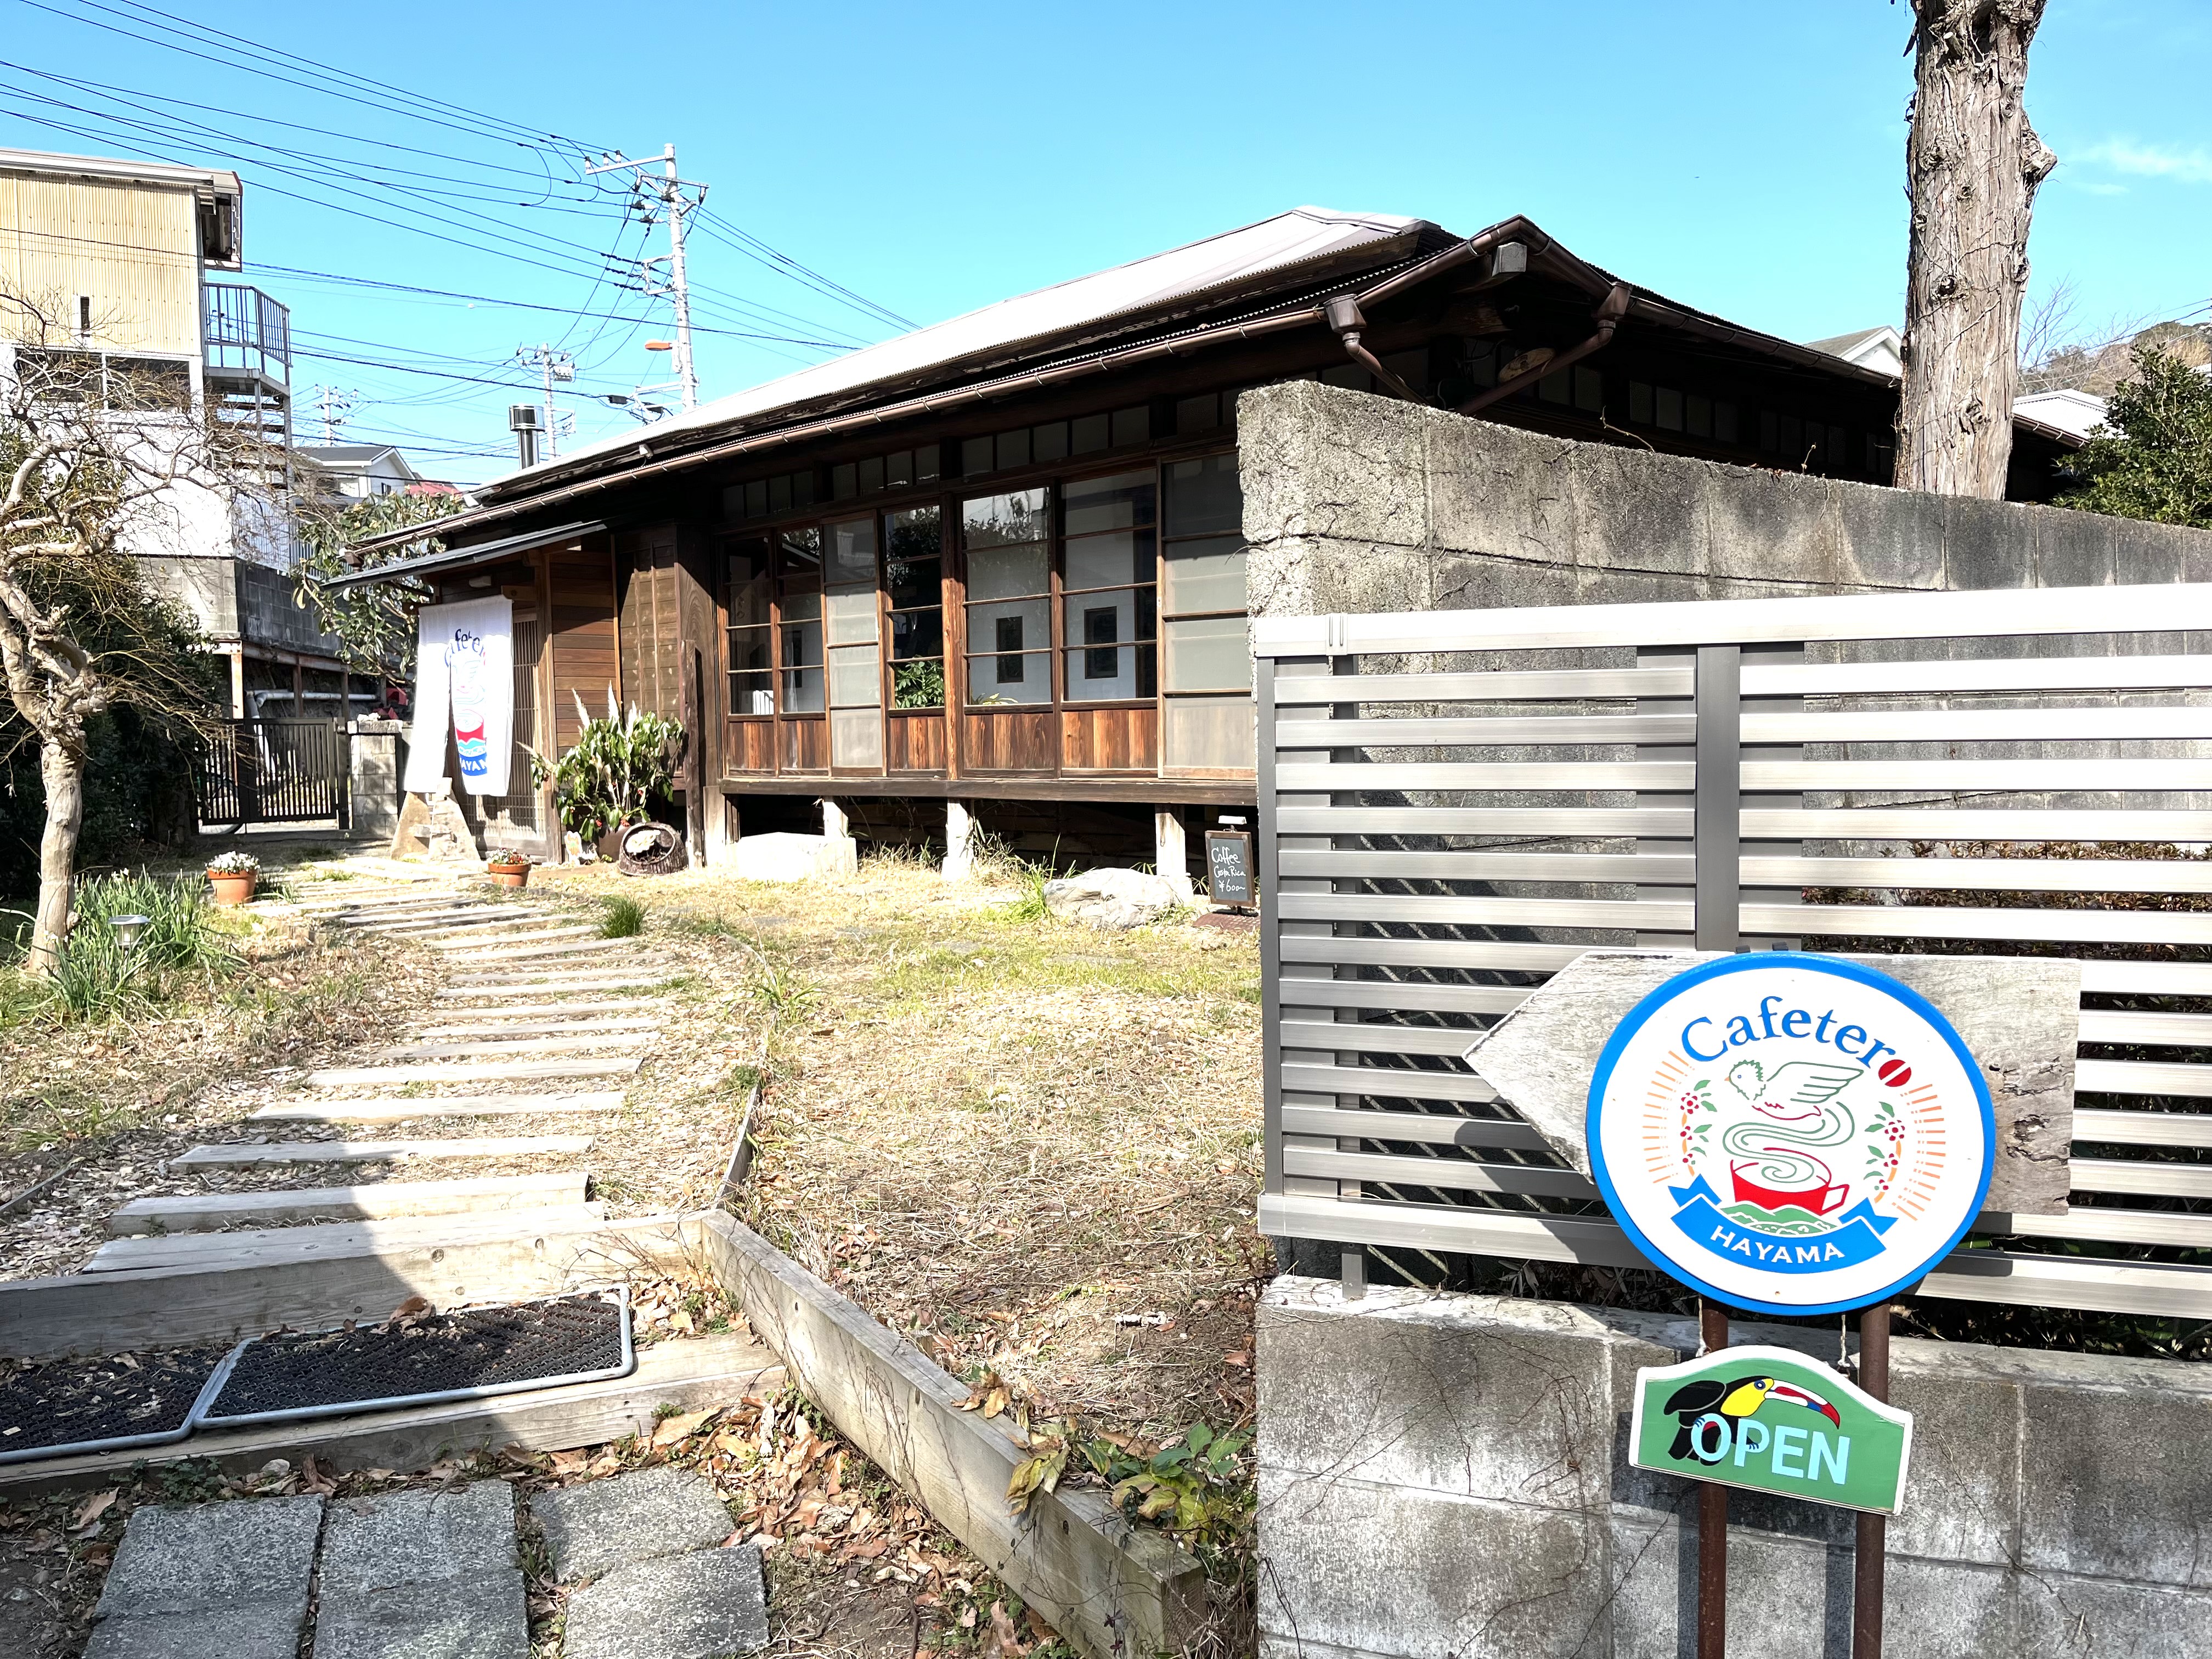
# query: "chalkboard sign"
[[1229, 867]]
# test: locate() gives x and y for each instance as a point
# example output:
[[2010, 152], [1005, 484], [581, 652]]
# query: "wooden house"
[[997, 562]]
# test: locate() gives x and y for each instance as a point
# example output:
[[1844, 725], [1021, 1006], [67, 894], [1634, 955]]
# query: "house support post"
[[1170, 855], [834, 826], [959, 842]]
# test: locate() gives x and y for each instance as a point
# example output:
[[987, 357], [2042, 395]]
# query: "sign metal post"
[[1869, 1559], [1712, 1521]]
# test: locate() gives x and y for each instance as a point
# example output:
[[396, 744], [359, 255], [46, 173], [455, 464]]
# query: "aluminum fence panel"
[[1455, 805]]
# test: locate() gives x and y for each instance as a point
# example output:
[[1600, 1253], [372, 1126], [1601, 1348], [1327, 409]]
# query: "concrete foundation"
[[372, 788], [1448, 1475]]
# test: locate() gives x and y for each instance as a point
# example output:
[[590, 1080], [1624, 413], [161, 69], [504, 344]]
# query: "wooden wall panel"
[[583, 638], [1024, 742], [916, 743], [748, 745], [649, 590], [1110, 739], [807, 745]]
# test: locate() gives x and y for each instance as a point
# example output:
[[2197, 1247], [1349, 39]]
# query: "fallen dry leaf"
[[1239, 1358], [682, 1426], [89, 1512]]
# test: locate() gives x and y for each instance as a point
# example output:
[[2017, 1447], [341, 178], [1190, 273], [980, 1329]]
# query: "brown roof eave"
[[1002, 358]]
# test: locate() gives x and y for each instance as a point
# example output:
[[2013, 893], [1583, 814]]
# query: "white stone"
[[786, 857], [959, 842], [1112, 900]]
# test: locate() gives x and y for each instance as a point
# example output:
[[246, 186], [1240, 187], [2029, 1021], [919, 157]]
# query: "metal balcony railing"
[[246, 332]]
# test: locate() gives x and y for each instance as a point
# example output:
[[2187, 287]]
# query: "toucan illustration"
[[1735, 1401]]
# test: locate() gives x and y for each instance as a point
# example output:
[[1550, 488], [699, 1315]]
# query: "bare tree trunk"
[[1972, 164], [63, 774]]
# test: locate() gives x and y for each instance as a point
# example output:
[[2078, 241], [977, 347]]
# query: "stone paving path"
[[434, 1573]]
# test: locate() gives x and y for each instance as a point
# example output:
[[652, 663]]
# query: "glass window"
[[850, 613], [757, 498], [1698, 416], [871, 473], [844, 482], [1199, 414], [1558, 388], [778, 494], [914, 569], [1132, 425], [1008, 597], [1724, 422], [1640, 401], [924, 464], [1208, 734], [1089, 433], [1209, 653], [802, 653], [1049, 442], [1670, 409], [751, 634], [974, 456], [1204, 495], [1590, 389], [1013, 448], [1108, 571], [898, 468], [852, 550], [1205, 573]]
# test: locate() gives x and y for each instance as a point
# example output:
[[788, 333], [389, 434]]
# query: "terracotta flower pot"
[[233, 887], [508, 875]]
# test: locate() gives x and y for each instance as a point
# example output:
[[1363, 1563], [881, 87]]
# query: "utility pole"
[[554, 366], [666, 198], [332, 406]]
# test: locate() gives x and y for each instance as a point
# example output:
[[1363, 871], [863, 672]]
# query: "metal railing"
[[245, 331], [274, 771], [1454, 805]]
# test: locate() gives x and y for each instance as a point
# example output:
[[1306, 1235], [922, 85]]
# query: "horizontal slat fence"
[[1455, 805]]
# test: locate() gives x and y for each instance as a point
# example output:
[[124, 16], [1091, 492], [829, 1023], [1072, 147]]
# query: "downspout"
[[1608, 313], [1343, 315]]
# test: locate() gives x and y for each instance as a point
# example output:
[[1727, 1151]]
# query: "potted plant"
[[508, 868], [234, 876], [617, 768]]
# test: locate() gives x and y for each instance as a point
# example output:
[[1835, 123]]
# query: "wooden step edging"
[[508, 1071], [196, 1212], [498, 1042], [253, 1247], [252, 1154], [1111, 1589], [692, 1373], [149, 1306], [403, 1109]]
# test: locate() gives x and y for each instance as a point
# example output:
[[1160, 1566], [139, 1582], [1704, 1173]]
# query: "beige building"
[[123, 262]]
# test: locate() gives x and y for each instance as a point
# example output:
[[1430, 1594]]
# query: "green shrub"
[[618, 767], [621, 918]]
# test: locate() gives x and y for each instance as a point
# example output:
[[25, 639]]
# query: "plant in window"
[[618, 766], [918, 684]]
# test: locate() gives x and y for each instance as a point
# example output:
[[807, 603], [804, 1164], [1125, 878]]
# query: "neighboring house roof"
[[353, 457], [2080, 413], [207, 182], [1882, 347], [1303, 235]]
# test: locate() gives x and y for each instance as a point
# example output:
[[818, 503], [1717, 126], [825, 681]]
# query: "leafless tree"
[[1973, 167], [98, 463]]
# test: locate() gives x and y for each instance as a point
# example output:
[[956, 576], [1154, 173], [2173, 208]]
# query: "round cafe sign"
[[1791, 1133]]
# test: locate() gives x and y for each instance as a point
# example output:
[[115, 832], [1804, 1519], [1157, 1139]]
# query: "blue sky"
[[1746, 158]]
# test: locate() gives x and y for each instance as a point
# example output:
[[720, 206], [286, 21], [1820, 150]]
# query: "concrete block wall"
[[1359, 503], [1444, 1475]]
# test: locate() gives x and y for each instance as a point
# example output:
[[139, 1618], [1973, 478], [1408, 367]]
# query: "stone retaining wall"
[[1444, 1475]]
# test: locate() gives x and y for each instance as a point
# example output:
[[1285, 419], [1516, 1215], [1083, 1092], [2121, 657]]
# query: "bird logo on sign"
[[1733, 1401]]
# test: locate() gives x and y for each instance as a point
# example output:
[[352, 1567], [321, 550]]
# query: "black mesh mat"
[[425, 1356], [116, 1400]]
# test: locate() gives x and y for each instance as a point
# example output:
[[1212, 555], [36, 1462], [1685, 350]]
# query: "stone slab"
[[427, 1573], [404, 1109], [707, 1605], [605, 1524], [250, 1632], [213, 1558], [325, 1241], [782, 855], [2018, 1015], [482, 1617], [401, 1538], [206, 1212]]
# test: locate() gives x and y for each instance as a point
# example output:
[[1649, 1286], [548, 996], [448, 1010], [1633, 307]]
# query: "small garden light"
[[127, 929]]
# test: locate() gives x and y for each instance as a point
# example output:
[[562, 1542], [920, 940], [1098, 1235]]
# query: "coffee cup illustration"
[[470, 678]]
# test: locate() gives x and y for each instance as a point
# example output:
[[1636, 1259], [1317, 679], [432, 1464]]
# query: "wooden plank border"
[[1111, 1589]]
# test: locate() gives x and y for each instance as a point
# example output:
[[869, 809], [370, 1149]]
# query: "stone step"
[[387, 903], [471, 944], [520, 1022], [279, 1246], [400, 1108], [440, 918], [690, 1375], [511, 1070], [481, 1042], [550, 982], [525, 951], [207, 1212], [252, 1154]]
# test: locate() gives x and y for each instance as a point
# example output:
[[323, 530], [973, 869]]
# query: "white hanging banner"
[[464, 673]]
